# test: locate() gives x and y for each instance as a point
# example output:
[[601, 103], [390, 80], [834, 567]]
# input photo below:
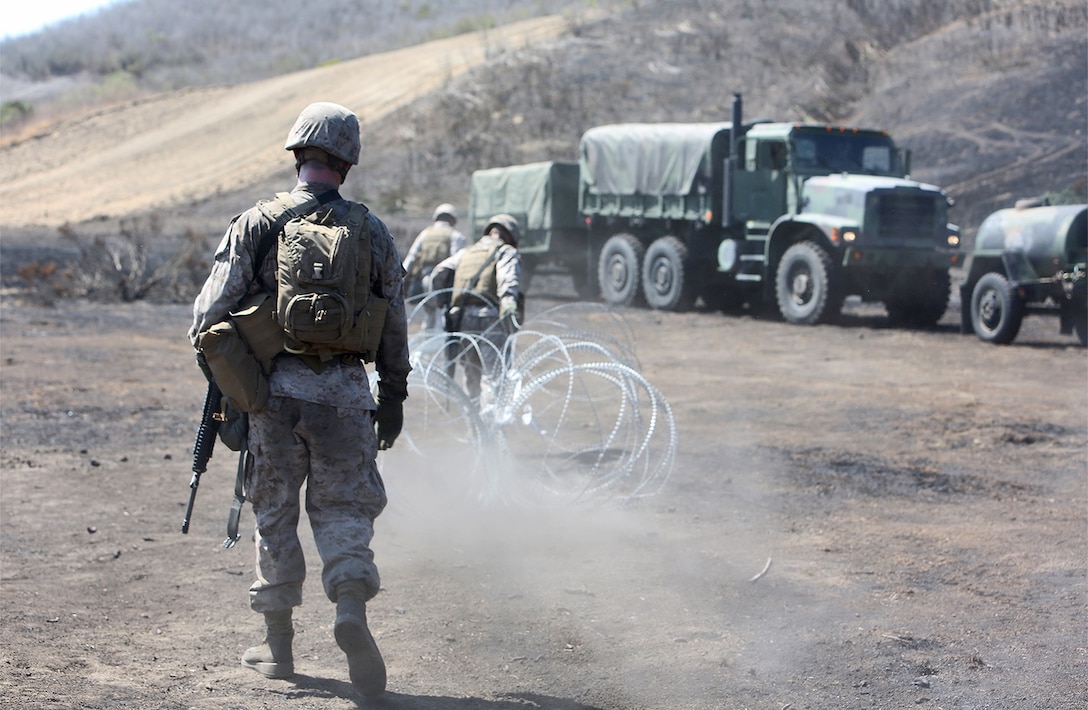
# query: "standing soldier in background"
[[434, 244], [486, 299], [318, 424]]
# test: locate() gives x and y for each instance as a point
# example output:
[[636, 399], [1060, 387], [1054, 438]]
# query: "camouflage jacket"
[[507, 275], [342, 384], [419, 260]]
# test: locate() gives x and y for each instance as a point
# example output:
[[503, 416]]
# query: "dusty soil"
[[920, 497]]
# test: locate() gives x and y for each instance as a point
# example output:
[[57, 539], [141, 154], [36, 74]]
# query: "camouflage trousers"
[[332, 450], [481, 360]]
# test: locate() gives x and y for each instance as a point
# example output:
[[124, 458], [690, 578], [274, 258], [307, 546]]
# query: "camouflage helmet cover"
[[508, 224], [327, 126], [445, 209]]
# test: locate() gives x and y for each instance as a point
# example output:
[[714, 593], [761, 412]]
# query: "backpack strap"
[[282, 210]]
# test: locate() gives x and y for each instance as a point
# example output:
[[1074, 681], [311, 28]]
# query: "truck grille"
[[906, 218]]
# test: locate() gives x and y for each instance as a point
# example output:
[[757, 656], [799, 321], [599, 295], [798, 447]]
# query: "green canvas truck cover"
[[543, 197], [647, 158]]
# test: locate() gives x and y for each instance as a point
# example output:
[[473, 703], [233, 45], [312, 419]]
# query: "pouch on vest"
[[234, 368], [255, 320]]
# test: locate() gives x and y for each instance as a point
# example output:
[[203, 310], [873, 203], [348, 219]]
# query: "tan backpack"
[[323, 299]]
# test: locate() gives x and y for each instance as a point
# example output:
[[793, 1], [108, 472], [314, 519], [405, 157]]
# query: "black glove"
[[388, 421]]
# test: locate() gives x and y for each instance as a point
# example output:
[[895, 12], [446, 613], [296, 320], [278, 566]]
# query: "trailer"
[[1028, 259]]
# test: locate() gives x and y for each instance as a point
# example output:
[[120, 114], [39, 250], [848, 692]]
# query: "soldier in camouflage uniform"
[[319, 423], [486, 298], [435, 243]]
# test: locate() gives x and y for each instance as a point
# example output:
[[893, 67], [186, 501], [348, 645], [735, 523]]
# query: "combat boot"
[[365, 664], [273, 658]]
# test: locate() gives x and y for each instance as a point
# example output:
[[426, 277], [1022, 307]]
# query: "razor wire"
[[564, 415]]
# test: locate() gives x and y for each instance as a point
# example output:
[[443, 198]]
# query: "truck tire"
[[806, 285], [666, 277], [921, 305], [996, 310], [619, 269], [1080, 327]]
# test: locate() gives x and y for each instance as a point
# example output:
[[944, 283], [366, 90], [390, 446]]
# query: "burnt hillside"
[[990, 95]]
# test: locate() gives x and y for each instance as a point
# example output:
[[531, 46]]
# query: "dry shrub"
[[124, 267]]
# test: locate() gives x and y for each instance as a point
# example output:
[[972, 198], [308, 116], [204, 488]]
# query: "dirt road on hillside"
[[920, 498], [184, 146]]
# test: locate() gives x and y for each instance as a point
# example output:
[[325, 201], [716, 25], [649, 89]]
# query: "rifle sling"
[[239, 496], [471, 291]]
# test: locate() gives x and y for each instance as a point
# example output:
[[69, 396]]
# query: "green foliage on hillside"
[[12, 111]]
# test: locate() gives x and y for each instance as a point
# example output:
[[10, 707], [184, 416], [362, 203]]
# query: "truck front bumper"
[[900, 259]]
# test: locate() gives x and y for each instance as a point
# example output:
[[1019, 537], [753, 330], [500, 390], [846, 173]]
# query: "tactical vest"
[[476, 275], [433, 249], [323, 302]]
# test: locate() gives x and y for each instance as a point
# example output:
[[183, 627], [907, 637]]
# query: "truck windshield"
[[869, 153]]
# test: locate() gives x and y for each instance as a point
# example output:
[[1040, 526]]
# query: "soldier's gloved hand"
[[388, 421], [508, 308]]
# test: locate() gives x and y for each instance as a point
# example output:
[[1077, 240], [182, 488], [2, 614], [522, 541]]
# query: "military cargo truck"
[[1028, 259], [543, 197], [797, 215]]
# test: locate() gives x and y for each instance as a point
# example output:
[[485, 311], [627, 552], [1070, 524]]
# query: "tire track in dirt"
[[189, 144]]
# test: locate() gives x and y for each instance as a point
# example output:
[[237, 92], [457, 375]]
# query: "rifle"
[[202, 449]]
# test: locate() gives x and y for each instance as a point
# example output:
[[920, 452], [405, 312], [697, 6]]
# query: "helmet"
[[447, 210], [508, 224], [330, 127]]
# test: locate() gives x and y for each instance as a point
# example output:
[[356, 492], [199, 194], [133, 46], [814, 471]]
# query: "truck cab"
[[774, 160], [817, 213]]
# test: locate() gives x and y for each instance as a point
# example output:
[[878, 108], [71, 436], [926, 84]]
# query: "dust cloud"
[[603, 581]]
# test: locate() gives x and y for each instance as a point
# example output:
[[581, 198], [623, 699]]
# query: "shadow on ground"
[[312, 687]]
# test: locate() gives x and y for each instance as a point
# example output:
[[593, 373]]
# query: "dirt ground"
[[920, 498]]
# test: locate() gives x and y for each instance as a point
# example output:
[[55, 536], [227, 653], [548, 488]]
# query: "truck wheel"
[[804, 285], [1080, 328], [996, 311], [922, 305], [619, 268], [666, 281]]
